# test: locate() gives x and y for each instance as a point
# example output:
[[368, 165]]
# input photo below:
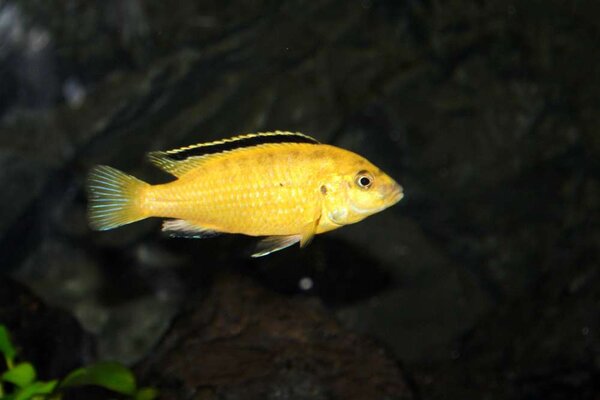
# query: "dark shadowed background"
[[483, 282]]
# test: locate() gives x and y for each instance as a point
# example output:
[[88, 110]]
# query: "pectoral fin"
[[309, 230], [271, 244], [308, 233]]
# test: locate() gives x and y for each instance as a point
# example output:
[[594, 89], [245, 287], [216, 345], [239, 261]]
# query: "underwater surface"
[[483, 282]]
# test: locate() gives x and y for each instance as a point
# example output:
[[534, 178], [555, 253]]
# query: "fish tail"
[[114, 198]]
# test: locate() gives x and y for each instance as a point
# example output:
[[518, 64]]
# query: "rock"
[[243, 342], [49, 338], [511, 354], [486, 112]]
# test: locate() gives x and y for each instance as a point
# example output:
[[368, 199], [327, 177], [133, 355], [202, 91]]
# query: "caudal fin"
[[113, 198]]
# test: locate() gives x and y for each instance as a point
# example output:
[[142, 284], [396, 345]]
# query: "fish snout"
[[396, 193]]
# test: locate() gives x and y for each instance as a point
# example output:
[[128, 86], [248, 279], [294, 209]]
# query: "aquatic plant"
[[18, 379]]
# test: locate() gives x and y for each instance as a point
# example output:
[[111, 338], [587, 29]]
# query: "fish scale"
[[281, 185], [268, 203]]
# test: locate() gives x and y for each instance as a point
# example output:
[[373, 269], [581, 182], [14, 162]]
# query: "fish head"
[[361, 190]]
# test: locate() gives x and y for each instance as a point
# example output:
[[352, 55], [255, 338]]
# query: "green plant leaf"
[[21, 374], [35, 389], [6, 346], [109, 375], [146, 393]]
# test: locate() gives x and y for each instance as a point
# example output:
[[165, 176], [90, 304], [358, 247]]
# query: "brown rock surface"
[[243, 342], [49, 338]]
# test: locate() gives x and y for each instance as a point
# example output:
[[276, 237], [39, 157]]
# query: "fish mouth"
[[396, 194]]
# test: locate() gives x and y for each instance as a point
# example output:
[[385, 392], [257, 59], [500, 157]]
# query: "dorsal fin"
[[182, 160], [176, 168], [237, 142]]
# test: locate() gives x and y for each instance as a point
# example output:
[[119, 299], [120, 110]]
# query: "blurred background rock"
[[483, 281]]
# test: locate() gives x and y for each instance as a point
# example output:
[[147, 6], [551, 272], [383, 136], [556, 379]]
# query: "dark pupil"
[[364, 181]]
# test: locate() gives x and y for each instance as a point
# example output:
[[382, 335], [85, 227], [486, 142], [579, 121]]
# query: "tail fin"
[[113, 198]]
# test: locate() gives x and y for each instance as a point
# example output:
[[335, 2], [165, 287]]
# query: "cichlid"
[[282, 185]]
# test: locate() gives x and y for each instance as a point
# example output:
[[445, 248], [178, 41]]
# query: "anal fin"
[[272, 244], [187, 229]]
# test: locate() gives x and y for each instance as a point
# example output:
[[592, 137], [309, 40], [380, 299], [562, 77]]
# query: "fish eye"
[[364, 179]]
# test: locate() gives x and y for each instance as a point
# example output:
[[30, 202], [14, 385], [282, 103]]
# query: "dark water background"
[[483, 282]]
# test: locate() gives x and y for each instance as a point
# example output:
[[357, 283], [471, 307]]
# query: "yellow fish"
[[282, 185]]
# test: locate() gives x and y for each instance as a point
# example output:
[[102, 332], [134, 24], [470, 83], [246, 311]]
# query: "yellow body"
[[292, 190], [254, 191]]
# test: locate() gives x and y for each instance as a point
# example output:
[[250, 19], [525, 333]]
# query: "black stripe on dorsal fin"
[[237, 142], [180, 161]]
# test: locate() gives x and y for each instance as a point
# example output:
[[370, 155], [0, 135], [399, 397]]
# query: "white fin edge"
[[187, 229], [272, 244]]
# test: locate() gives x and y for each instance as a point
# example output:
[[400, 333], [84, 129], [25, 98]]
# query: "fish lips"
[[396, 194], [389, 197]]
